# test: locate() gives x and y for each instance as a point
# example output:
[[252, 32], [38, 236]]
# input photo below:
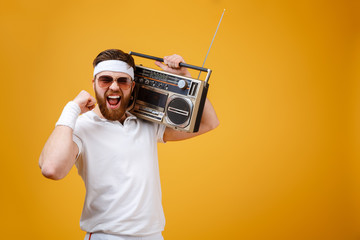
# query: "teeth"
[[114, 97]]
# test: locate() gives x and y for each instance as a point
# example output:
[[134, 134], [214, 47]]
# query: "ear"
[[93, 82]]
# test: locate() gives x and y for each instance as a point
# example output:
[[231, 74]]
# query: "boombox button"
[[146, 81], [182, 84], [166, 87]]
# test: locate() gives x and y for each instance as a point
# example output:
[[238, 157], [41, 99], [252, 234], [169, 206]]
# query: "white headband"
[[114, 66]]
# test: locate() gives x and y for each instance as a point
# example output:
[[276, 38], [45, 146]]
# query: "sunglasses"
[[106, 81]]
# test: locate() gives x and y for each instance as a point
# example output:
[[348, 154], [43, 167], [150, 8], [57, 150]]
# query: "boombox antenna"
[[212, 41]]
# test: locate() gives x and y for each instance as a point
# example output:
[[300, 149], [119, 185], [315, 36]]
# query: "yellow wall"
[[284, 164]]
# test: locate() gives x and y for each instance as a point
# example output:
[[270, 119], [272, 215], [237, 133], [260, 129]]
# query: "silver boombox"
[[172, 100]]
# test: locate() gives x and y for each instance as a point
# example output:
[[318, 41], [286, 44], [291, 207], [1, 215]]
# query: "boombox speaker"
[[173, 100]]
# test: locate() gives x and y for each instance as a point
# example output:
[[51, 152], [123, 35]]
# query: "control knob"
[[182, 84]]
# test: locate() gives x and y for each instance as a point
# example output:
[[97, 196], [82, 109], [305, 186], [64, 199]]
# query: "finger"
[[92, 100], [83, 93], [166, 60], [177, 63], [174, 61], [162, 66], [91, 107], [171, 61], [178, 59]]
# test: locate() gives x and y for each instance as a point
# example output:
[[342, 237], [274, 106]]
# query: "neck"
[[98, 112]]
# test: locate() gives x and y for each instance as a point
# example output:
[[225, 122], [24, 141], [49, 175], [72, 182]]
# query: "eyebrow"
[[107, 76]]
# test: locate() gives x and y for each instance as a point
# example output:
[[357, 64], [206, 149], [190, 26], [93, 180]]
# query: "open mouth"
[[113, 101]]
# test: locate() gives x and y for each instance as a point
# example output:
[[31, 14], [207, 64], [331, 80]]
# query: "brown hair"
[[114, 54]]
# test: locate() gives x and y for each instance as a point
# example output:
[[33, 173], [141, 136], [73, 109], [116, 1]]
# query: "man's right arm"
[[60, 151]]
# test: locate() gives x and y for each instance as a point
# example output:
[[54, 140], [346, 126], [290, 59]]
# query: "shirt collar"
[[129, 116]]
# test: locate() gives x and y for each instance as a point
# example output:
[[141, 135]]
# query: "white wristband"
[[69, 115]]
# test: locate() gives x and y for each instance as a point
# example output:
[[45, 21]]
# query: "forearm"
[[59, 153], [209, 118], [209, 121]]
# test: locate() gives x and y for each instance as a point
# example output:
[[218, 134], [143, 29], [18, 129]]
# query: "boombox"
[[172, 100]]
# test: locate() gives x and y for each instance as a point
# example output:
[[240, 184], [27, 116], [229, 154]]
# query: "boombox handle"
[[181, 64]]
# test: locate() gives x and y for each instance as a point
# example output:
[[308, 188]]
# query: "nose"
[[114, 86]]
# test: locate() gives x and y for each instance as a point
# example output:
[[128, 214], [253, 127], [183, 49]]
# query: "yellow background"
[[283, 164]]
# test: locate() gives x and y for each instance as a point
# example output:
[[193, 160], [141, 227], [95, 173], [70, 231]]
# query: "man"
[[115, 152]]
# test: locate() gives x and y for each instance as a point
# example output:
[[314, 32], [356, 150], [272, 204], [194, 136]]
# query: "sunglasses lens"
[[106, 81], [124, 83]]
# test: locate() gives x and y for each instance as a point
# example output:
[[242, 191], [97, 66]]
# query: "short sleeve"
[[78, 142], [160, 133]]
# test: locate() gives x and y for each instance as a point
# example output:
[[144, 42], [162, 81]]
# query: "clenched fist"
[[85, 101]]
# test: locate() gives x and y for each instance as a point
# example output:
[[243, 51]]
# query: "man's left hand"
[[171, 65]]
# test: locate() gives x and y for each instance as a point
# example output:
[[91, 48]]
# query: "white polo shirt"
[[119, 166]]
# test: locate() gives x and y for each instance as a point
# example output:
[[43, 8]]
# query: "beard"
[[112, 114]]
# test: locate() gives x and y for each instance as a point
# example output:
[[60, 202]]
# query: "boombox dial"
[[182, 84]]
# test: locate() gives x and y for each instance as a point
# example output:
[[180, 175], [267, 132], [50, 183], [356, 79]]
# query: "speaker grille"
[[178, 111]]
